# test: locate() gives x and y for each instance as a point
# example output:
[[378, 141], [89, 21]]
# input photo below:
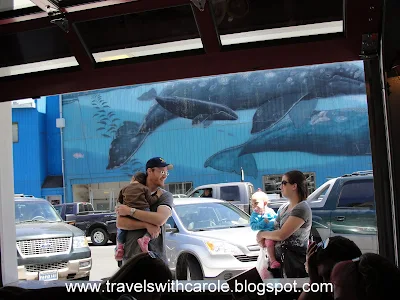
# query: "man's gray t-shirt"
[[299, 239], [157, 245]]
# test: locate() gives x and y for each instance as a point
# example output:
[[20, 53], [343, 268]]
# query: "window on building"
[[178, 187], [15, 132], [310, 178], [103, 206], [272, 183]]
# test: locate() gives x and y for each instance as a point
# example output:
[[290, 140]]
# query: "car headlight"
[[80, 242], [219, 247]]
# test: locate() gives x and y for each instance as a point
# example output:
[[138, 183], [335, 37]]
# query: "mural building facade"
[[311, 118]]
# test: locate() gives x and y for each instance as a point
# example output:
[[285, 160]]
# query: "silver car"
[[179, 195], [209, 239]]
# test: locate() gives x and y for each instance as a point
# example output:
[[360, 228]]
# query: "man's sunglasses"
[[162, 172]]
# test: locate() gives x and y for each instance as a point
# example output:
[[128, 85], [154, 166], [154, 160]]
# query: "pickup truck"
[[47, 247], [99, 225], [345, 206], [237, 193]]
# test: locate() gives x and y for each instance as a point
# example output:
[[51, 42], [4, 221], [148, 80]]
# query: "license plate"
[[48, 275]]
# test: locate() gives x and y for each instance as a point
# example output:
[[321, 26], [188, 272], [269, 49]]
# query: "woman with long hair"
[[292, 226]]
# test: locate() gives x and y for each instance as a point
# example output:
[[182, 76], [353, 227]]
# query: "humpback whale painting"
[[319, 110]]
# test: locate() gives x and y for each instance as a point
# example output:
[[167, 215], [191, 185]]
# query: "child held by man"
[[136, 195], [263, 218]]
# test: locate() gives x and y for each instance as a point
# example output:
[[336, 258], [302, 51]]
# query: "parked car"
[[209, 239], [47, 247], [345, 206], [179, 195], [237, 193], [99, 225]]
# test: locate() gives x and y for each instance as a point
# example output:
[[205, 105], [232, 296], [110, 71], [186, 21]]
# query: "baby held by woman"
[[263, 218]]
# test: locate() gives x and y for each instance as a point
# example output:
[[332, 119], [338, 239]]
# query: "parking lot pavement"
[[104, 264]]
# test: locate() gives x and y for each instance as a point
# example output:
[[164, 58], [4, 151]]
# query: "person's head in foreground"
[[370, 276], [330, 252], [143, 268]]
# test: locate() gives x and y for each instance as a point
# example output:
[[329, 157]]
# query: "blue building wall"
[[54, 160], [38, 151], [26, 153], [42, 138], [52, 192], [268, 122]]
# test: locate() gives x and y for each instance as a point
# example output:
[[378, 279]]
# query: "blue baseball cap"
[[158, 162]]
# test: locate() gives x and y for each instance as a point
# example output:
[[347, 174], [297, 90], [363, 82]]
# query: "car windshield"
[[210, 216], [34, 211]]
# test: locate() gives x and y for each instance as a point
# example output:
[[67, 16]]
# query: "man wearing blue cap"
[[150, 221]]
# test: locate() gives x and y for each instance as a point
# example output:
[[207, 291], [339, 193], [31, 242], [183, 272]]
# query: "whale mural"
[[313, 118], [333, 132], [275, 95]]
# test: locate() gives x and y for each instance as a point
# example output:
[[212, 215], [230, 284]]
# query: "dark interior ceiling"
[[55, 47]]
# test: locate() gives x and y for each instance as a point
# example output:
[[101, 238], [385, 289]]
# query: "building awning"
[[53, 182]]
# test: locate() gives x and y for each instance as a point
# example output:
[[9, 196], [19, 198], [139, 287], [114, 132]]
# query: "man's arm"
[[131, 224], [157, 218]]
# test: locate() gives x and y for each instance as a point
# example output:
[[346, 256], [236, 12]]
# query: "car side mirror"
[[168, 228]]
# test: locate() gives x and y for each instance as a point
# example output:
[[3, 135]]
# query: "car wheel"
[[190, 269], [99, 237]]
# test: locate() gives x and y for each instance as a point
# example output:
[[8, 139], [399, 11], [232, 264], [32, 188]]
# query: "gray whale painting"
[[286, 114], [333, 132]]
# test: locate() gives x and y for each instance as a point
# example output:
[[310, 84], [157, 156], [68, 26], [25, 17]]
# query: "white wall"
[[7, 210]]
